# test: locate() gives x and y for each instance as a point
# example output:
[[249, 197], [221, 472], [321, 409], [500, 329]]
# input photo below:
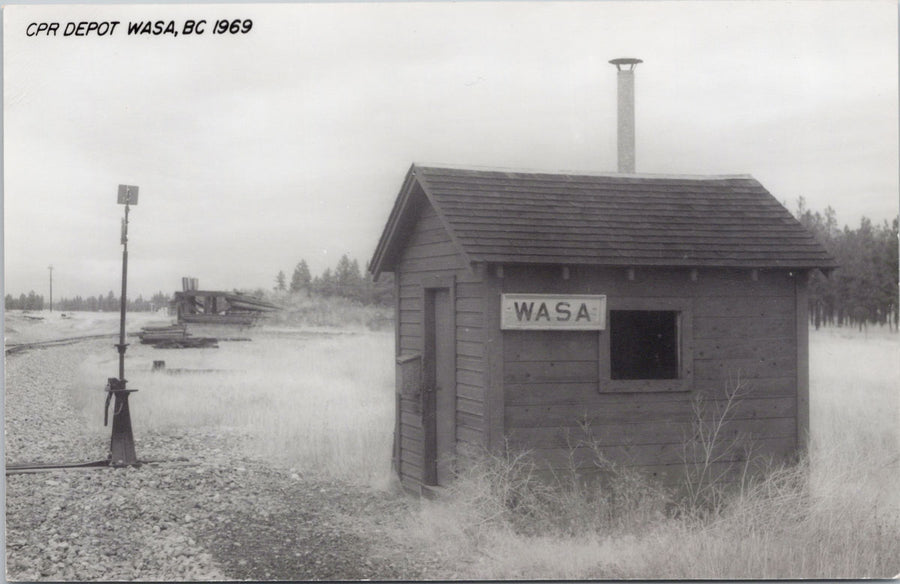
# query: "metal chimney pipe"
[[625, 130]]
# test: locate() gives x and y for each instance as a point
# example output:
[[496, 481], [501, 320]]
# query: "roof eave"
[[468, 259], [382, 256], [642, 263], [386, 252]]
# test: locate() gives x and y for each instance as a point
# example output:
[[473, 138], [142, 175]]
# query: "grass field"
[[320, 402], [323, 402]]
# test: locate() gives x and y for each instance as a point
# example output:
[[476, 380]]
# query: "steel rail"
[[36, 467], [11, 348]]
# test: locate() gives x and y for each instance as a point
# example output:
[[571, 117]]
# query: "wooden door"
[[440, 413]]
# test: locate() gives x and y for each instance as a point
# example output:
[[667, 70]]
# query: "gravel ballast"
[[205, 512]]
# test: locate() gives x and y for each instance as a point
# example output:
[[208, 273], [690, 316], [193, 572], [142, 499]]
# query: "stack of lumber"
[[153, 334], [187, 343], [174, 336]]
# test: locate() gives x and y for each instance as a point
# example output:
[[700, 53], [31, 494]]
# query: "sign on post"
[[564, 312], [128, 195]]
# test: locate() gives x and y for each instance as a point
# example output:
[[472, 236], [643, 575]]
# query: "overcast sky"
[[254, 151]]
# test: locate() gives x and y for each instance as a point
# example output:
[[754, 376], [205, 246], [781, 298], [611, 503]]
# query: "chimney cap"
[[625, 61]]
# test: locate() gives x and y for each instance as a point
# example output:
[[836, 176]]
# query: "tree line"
[[345, 280], [863, 290], [107, 303]]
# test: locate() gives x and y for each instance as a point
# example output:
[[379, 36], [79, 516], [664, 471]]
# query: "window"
[[647, 345], [643, 344]]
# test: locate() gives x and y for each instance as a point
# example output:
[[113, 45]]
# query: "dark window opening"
[[643, 344]]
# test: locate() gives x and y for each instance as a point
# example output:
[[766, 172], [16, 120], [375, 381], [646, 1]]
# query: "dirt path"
[[208, 513], [298, 529]]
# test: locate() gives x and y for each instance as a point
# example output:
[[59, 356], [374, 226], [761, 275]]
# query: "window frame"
[[684, 337]]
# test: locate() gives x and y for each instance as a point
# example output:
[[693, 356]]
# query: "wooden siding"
[[429, 253], [802, 324], [741, 329]]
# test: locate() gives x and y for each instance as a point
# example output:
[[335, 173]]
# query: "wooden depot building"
[[546, 311]]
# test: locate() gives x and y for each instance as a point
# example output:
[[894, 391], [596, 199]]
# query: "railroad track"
[[11, 348]]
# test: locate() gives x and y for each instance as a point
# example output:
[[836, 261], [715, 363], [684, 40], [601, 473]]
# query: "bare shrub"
[[625, 498], [502, 488], [508, 489], [710, 455]]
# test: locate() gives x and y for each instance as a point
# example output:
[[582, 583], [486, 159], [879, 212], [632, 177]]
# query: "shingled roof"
[[627, 220]]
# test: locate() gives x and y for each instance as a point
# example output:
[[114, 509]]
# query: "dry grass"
[[320, 402], [787, 525]]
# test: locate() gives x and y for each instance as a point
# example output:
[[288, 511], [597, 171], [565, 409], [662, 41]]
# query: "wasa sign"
[[565, 312]]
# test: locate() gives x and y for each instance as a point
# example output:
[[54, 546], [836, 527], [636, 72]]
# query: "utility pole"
[[50, 267]]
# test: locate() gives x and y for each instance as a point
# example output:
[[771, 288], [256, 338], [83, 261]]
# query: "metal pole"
[[625, 109], [625, 131], [122, 344]]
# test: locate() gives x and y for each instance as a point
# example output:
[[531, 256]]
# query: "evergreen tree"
[[34, 301], [160, 300], [324, 284], [302, 278], [348, 280], [280, 284], [863, 289]]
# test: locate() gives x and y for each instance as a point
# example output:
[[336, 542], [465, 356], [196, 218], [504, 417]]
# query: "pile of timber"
[[174, 336], [188, 343], [151, 334]]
